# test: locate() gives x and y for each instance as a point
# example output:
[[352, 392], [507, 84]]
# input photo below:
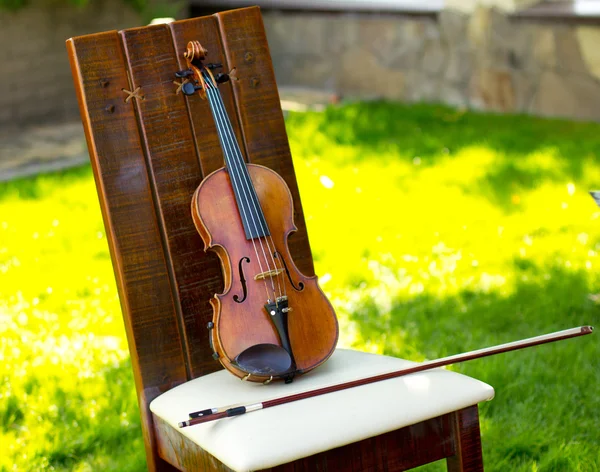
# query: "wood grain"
[[259, 111], [206, 31], [125, 195], [175, 173], [468, 456], [312, 325]]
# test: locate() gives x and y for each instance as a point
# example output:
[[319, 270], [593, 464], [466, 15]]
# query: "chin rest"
[[285, 433], [265, 359]]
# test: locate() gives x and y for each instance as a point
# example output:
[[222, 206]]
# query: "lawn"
[[434, 231]]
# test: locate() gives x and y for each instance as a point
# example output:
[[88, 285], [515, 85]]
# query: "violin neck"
[[251, 213]]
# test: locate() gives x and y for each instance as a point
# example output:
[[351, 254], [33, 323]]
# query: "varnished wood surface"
[[468, 456], [312, 323], [206, 30], [131, 225], [259, 110]]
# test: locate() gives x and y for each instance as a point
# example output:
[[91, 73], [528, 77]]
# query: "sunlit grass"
[[67, 399], [442, 232], [434, 232]]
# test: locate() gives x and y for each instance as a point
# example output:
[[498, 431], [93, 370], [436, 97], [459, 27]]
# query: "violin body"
[[240, 318]]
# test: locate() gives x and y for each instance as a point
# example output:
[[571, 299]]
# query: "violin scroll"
[[194, 54], [194, 51]]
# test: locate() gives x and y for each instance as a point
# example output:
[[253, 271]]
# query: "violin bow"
[[212, 414]]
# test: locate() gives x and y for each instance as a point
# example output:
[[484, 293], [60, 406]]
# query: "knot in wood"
[[249, 57], [254, 82]]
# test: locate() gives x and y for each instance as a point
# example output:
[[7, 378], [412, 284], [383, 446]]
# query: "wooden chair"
[[150, 147]]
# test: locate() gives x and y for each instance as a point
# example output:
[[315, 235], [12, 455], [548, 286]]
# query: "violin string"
[[257, 207], [236, 179], [233, 180], [279, 274], [244, 177], [255, 202]]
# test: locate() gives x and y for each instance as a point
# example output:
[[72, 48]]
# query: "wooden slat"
[[259, 110], [206, 31], [468, 456], [137, 253], [175, 171]]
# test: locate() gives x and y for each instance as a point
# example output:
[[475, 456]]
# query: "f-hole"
[[242, 280], [300, 286]]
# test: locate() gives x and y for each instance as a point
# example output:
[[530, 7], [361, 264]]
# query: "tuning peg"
[[181, 74], [222, 78], [190, 89], [212, 66]]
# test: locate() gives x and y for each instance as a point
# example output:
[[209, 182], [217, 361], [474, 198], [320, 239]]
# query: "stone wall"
[[480, 58], [476, 56], [35, 77]]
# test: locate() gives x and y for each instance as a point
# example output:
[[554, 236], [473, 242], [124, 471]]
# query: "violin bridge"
[[269, 273]]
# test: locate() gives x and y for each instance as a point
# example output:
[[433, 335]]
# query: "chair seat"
[[281, 434]]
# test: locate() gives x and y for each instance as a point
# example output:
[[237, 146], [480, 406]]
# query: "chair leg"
[[467, 439]]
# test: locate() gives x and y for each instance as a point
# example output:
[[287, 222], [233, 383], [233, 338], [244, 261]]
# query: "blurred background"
[[527, 56], [466, 134], [539, 58]]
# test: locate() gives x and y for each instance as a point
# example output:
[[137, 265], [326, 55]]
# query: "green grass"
[[434, 231]]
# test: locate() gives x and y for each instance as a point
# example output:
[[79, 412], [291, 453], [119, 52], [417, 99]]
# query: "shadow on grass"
[[546, 410], [432, 132], [428, 130], [543, 299]]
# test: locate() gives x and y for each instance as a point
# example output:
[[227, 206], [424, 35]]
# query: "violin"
[[271, 321]]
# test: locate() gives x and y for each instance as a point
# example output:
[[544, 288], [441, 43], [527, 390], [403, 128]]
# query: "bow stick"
[[212, 414]]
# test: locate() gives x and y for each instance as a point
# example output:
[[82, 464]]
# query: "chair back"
[[150, 147]]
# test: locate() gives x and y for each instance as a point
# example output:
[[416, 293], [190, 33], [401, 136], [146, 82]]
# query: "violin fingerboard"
[[259, 111]]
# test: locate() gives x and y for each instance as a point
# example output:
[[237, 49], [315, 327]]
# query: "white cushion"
[[280, 434]]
